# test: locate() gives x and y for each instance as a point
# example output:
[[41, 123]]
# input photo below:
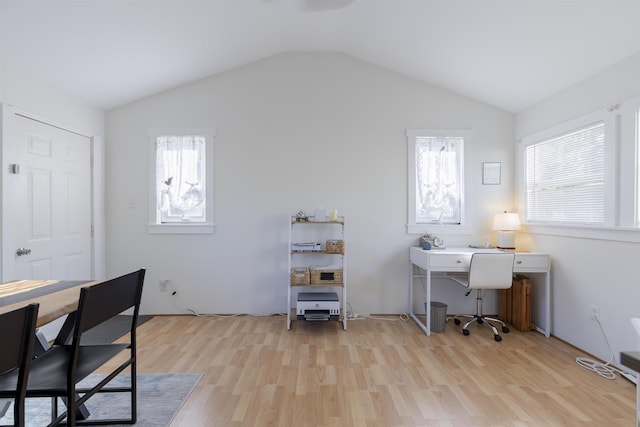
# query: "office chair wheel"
[[498, 337], [465, 332], [456, 321], [505, 329]]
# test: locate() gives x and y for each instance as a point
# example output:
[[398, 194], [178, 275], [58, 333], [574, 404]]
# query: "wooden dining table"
[[57, 298]]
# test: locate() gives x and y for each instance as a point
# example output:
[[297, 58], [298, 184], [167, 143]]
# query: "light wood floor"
[[377, 373]]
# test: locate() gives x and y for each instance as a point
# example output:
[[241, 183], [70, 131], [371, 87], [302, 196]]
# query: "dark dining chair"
[[57, 372], [17, 334]]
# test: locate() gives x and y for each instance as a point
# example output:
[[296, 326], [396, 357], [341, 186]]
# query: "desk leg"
[[547, 304], [426, 327], [427, 304], [543, 324], [411, 313]]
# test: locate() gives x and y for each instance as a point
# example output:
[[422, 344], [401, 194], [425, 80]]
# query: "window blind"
[[564, 177]]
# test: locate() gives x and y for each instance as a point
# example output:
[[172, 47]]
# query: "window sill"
[[617, 234], [181, 228]]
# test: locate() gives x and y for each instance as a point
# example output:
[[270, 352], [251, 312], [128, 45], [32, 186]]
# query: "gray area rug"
[[160, 397]]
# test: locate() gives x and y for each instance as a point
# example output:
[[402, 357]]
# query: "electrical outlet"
[[595, 312], [164, 285]]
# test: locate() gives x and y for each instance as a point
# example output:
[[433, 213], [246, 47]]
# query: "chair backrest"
[[99, 303], [17, 333], [491, 270]]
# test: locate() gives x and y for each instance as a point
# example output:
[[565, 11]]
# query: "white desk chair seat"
[[486, 271]]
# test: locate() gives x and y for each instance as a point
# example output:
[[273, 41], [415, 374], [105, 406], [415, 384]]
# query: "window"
[[180, 177], [581, 177], [565, 177], [181, 181], [435, 178]]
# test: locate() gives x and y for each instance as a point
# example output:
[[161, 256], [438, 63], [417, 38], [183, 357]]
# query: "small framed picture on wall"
[[491, 173]]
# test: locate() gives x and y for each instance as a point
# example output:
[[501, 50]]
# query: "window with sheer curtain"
[[436, 177], [565, 177], [181, 184], [180, 177]]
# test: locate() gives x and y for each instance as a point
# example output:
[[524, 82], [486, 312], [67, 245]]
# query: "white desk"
[[456, 260]]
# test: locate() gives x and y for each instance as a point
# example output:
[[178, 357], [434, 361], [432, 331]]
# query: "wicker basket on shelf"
[[335, 246], [300, 276], [325, 276]]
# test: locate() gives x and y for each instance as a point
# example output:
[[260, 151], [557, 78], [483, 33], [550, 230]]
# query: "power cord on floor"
[[179, 304], [604, 370], [352, 316]]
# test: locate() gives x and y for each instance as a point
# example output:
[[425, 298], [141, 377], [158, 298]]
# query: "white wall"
[[294, 131], [22, 90], [586, 271]]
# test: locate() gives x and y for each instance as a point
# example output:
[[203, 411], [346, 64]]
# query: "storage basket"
[[322, 276], [300, 276], [335, 246]]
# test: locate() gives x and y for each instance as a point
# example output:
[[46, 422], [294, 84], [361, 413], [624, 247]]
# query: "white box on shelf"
[[306, 247]]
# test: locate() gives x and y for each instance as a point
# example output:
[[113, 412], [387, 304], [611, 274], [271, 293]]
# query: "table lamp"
[[506, 223]]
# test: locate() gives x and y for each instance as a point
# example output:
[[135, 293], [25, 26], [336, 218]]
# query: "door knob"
[[23, 251]]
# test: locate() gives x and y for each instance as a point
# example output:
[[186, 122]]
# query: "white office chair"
[[486, 271]]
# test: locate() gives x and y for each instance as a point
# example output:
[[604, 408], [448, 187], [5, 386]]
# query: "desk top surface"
[[56, 298], [459, 259], [470, 250]]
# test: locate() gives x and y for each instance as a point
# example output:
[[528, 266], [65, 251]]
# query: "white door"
[[47, 210]]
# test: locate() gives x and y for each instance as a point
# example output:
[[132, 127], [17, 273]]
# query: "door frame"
[[8, 156]]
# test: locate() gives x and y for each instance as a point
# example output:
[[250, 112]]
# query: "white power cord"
[[180, 305], [604, 370], [352, 316]]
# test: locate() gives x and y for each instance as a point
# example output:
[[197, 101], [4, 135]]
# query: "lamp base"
[[506, 240]]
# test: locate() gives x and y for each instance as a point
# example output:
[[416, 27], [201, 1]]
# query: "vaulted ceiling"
[[508, 53]]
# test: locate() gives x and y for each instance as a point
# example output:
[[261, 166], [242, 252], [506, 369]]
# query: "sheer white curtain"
[[180, 177], [438, 179]]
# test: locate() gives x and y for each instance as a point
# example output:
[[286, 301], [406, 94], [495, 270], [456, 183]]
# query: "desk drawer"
[[454, 261], [526, 262]]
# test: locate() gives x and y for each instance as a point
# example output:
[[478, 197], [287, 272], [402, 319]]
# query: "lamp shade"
[[506, 221]]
